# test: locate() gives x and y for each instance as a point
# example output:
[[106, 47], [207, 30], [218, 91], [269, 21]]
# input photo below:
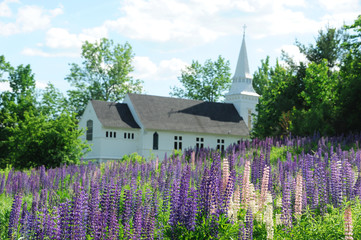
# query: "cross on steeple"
[[244, 30]]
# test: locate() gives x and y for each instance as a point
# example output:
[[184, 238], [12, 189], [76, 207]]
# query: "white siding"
[[166, 142], [102, 147]]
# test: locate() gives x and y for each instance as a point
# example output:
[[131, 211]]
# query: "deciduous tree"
[[103, 75], [207, 82]]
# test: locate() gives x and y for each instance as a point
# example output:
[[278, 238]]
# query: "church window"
[[111, 134], [128, 135], [106, 134], [115, 134], [199, 142], [155, 141], [220, 144], [89, 131], [178, 142]]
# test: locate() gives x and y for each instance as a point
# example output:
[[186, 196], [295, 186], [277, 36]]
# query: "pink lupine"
[[264, 186], [245, 184], [298, 194], [348, 224]]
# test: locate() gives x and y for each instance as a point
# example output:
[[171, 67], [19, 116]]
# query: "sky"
[[166, 35]]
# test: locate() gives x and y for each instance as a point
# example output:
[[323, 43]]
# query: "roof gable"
[[184, 115], [112, 114]]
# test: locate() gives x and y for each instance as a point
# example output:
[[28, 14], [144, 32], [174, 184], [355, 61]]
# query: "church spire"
[[242, 69], [241, 94]]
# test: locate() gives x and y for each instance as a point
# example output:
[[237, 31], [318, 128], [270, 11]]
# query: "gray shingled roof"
[[175, 114], [112, 114]]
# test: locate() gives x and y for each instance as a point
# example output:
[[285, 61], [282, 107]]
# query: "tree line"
[[41, 127], [319, 95]]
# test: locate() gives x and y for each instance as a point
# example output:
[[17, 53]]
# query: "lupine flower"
[[286, 205], [246, 184], [234, 205], [348, 224], [264, 187], [268, 216], [225, 174], [298, 195], [248, 231], [15, 216]]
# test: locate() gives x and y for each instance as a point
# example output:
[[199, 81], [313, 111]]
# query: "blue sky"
[[166, 35]]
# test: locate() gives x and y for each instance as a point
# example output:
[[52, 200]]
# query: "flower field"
[[296, 188]]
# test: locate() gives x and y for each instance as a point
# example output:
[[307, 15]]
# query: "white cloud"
[[158, 76], [5, 10], [293, 52], [200, 21], [61, 38], [165, 70], [169, 20], [41, 53], [28, 19], [337, 5]]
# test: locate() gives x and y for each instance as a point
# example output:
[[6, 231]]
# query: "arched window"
[[89, 130], [155, 141]]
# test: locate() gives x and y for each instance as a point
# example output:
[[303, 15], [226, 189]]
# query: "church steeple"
[[242, 69], [242, 79], [242, 94]]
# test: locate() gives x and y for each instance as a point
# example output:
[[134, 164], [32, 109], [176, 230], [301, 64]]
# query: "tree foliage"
[[103, 75], [207, 82], [34, 132], [301, 98]]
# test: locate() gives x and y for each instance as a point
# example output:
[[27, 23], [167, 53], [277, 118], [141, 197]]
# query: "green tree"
[[327, 46], [37, 140], [350, 83], [318, 113], [104, 74], [53, 102], [33, 134], [208, 82], [300, 97]]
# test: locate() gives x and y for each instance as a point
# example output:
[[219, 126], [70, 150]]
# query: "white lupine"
[[268, 216], [234, 205]]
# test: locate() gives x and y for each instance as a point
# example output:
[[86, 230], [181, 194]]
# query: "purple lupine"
[[248, 231], [335, 183], [24, 222], [148, 226], [204, 193], [286, 204], [15, 216], [79, 215], [127, 206], [113, 224], [191, 210], [321, 180], [174, 202], [94, 212], [65, 220], [2, 184], [348, 180], [51, 225], [137, 223]]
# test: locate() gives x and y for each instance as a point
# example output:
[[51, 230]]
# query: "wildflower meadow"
[[291, 188]]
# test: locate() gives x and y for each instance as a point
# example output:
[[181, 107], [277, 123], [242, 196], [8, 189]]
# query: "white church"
[[155, 126]]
